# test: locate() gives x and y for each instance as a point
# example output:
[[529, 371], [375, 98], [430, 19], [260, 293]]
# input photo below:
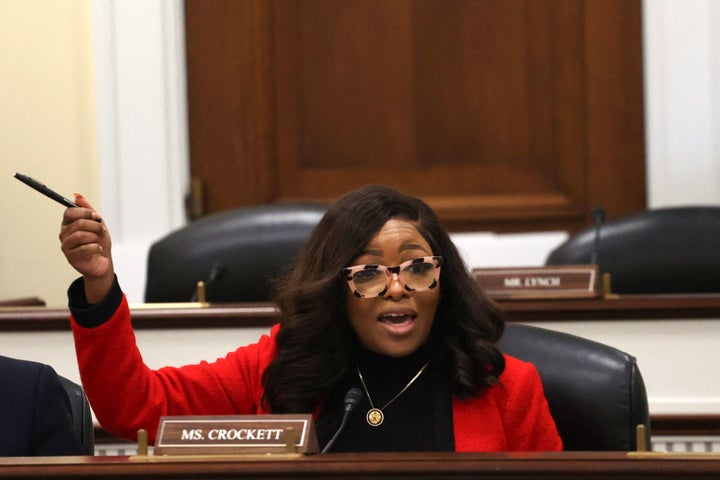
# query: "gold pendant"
[[374, 417]]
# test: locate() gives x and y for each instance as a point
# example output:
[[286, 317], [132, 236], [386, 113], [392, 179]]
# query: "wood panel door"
[[502, 114]]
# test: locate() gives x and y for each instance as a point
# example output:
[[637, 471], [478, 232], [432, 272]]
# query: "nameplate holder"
[[236, 435], [547, 282]]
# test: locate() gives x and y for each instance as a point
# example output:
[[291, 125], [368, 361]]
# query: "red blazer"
[[126, 395]]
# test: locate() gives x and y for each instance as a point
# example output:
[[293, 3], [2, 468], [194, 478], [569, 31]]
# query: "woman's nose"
[[396, 288]]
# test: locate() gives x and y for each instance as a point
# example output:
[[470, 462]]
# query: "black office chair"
[[595, 392], [81, 414], [237, 253], [665, 250]]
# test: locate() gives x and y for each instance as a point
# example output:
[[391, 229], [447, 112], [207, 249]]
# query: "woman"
[[378, 299]]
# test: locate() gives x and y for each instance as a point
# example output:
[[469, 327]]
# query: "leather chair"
[[236, 253], [81, 414], [595, 392], [665, 250]]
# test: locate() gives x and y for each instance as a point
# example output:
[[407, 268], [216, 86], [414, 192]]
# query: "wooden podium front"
[[435, 465]]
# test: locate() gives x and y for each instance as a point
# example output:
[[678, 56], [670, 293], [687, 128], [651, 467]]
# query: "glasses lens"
[[370, 281], [418, 275]]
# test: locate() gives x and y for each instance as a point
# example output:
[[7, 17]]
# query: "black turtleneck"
[[418, 420]]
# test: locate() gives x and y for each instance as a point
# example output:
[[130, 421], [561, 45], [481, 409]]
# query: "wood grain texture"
[[508, 116]]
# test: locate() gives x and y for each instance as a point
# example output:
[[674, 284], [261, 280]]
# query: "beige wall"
[[47, 131]]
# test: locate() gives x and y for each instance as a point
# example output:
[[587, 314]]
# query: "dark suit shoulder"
[[34, 411]]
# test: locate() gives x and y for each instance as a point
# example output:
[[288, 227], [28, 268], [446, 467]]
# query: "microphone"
[[352, 399], [598, 214], [216, 272]]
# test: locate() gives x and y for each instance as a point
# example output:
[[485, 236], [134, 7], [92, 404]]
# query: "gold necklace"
[[375, 416]]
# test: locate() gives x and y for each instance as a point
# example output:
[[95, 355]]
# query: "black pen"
[[31, 182]]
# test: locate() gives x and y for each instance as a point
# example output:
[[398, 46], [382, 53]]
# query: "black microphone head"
[[353, 398]]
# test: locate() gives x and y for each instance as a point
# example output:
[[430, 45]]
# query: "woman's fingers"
[[78, 238], [84, 240]]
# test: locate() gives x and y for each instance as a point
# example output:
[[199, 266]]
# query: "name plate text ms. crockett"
[[235, 434]]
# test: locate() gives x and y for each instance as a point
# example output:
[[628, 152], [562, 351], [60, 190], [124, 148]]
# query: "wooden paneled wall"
[[512, 115]]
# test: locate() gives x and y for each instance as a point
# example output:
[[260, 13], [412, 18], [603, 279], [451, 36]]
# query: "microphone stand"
[[598, 214], [216, 272], [352, 399]]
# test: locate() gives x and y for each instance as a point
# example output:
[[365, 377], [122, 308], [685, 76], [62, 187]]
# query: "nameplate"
[[558, 281], [236, 434]]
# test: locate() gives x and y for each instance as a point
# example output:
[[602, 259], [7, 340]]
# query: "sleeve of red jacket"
[[528, 423], [126, 395]]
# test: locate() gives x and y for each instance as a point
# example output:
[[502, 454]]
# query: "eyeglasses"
[[371, 280]]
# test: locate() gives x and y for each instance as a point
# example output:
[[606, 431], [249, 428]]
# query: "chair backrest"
[[81, 414], [237, 253], [665, 250], [595, 392]]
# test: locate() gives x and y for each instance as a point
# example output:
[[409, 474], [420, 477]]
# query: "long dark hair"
[[315, 341]]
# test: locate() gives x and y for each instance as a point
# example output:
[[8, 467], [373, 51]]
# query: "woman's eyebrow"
[[412, 246], [403, 248]]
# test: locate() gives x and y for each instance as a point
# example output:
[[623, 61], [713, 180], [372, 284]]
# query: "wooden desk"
[[626, 307], [638, 307], [577, 466], [150, 317]]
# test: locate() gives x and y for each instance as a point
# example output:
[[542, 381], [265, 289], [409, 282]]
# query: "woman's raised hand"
[[85, 241]]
